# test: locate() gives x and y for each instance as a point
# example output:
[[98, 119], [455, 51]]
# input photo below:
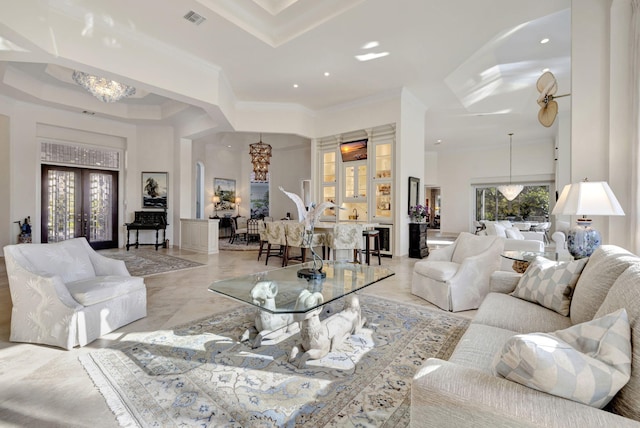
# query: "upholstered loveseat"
[[470, 389], [65, 294]]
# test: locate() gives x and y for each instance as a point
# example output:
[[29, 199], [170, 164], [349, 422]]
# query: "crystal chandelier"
[[107, 91], [512, 190], [260, 156]]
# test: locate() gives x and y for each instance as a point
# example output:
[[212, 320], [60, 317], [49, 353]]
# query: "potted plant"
[[418, 213]]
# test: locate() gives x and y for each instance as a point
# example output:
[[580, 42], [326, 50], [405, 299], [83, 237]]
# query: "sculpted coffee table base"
[[286, 301]]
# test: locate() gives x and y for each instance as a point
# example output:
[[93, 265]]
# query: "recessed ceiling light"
[[327, 74], [295, 85], [370, 56], [545, 40], [229, 146], [438, 142], [370, 45]]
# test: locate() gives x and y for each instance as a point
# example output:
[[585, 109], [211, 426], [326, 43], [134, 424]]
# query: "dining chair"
[[238, 229], [276, 237], [253, 229], [345, 237], [262, 232], [296, 238]]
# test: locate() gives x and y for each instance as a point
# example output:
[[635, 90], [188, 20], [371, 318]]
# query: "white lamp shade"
[[587, 198]]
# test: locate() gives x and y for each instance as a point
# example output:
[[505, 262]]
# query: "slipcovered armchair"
[[65, 294], [456, 278]]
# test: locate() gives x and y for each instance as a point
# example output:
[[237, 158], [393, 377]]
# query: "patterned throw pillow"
[[588, 363], [550, 283]]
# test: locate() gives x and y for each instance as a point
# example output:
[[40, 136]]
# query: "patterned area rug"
[[201, 375], [149, 262], [238, 245]]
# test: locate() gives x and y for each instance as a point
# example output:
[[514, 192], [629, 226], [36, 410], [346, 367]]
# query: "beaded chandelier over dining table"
[[260, 157]]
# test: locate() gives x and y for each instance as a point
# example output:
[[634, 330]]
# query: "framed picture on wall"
[[155, 186], [225, 189]]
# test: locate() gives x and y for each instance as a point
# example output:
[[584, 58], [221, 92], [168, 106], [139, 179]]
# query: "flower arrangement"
[[418, 212]]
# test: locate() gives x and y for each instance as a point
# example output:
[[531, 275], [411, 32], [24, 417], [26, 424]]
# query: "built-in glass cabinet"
[[355, 181], [329, 182], [360, 178], [382, 181]]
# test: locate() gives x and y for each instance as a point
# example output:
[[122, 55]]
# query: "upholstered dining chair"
[[262, 232], [276, 240], [345, 237], [295, 234], [238, 229], [457, 277]]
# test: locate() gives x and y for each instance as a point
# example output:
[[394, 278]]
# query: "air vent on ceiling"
[[194, 17]]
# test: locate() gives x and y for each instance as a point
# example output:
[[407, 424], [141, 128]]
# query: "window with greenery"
[[531, 204]]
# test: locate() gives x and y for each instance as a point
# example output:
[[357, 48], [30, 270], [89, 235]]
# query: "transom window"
[[531, 204]]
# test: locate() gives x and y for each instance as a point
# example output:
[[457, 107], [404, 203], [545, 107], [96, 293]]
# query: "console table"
[[148, 220], [418, 240]]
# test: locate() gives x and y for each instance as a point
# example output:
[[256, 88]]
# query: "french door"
[[80, 202]]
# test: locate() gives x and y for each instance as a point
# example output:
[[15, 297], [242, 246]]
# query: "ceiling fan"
[[547, 86]]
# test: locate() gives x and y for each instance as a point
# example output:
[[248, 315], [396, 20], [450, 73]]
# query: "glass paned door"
[[79, 202]]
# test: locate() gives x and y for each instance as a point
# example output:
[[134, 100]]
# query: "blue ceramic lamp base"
[[583, 240]]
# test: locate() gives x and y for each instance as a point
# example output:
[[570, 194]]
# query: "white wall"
[[409, 162], [458, 170], [7, 227], [290, 164], [144, 148]]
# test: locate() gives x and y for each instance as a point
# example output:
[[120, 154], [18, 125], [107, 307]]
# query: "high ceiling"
[[473, 64]]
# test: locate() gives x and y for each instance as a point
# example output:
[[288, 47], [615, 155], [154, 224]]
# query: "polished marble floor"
[[46, 386]]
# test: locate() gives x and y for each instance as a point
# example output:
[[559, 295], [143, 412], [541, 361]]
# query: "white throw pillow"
[[588, 363], [514, 233], [549, 283], [496, 229]]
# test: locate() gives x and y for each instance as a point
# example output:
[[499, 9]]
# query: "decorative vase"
[[582, 240]]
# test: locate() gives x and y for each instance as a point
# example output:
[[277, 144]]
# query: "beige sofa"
[[464, 391], [65, 294]]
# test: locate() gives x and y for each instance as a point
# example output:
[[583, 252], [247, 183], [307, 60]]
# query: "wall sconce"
[[237, 202], [216, 201]]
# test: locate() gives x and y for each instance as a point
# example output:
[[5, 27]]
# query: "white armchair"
[[456, 277], [65, 294]]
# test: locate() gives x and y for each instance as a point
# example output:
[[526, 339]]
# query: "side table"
[[418, 247]]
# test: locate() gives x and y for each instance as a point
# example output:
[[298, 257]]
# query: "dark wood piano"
[[148, 220]]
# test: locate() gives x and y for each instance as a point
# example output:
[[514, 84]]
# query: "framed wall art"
[[155, 186], [225, 189]]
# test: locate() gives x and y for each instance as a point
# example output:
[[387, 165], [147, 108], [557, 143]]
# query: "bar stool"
[[368, 235]]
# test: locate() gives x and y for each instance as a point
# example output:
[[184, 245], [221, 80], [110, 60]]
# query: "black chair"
[[368, 251], [253, 230]]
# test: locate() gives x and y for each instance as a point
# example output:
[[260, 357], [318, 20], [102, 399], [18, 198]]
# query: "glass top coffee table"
[[521, 259], [342, 279], [287, 302]]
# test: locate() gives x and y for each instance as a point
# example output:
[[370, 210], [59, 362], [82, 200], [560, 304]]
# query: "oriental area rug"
[[239, 245], [200, 374], [143, 262]]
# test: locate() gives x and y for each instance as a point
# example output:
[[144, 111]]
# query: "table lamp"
[[216, 201], [586, 198], [237, 202]]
